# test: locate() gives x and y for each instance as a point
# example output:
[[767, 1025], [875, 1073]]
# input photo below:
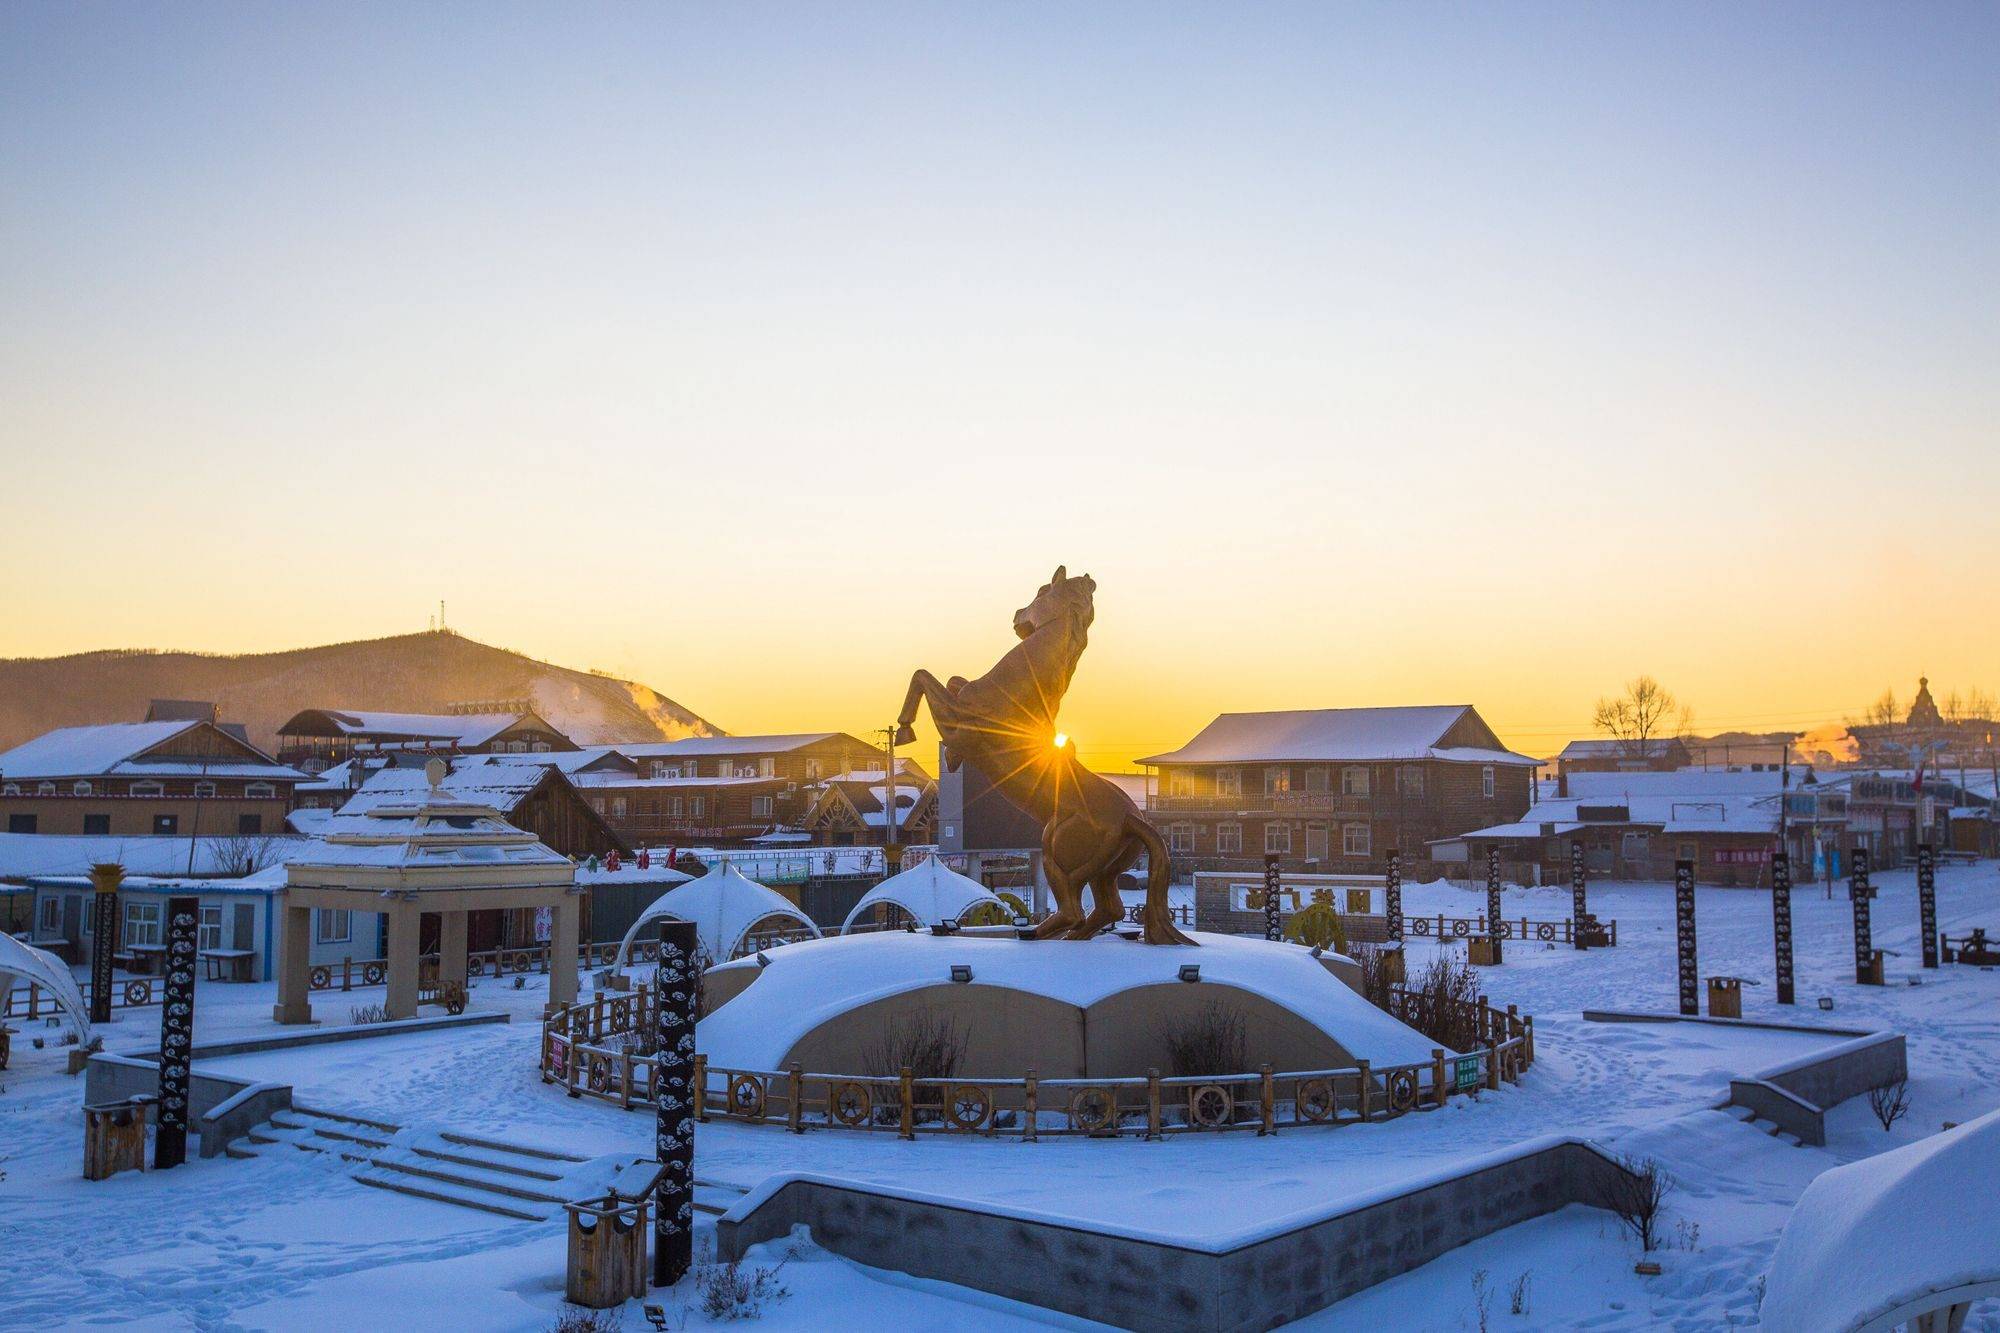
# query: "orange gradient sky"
[[1362, 357]]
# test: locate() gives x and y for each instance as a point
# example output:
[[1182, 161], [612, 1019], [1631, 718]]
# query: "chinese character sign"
[[1781, 921], [1684, 937], [1927, 902], [1578, 907], [1859, 892]]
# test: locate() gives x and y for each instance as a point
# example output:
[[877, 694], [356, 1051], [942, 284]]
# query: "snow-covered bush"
[[579, 1319], [727, 1291], [1890, 1101], [1442, 1003], [928, 1044], [1636, 1196], [368, 1013]]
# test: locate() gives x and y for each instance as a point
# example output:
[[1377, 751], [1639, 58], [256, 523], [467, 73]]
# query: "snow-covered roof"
[[23, 855], [1333, 734], [24, 962], [1874, 1243], [930, 891], [1614, 749], [699, 746], [430, 828], [808, 983], [723, 904], [113, 749], [500, 786], [456, 728]]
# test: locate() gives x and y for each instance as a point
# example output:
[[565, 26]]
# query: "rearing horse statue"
[[1005, 722]]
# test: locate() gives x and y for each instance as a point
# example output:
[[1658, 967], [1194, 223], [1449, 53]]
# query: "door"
[[1316, 842], [72, 925], [243, 934]]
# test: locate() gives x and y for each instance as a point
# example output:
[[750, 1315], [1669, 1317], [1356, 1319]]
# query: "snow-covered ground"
[[294, 1243]]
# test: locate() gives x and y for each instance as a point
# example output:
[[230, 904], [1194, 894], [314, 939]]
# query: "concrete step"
[[466, 1177], [439, 1191], [341, 1117], [487, 1163], [242, 1149], [325, 1127], [1735, 1112], [515, 1149]]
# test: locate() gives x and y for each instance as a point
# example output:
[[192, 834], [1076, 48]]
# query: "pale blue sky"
[[1630, 305]]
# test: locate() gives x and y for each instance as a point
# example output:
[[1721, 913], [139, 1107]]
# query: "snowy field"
[[291, 1242]]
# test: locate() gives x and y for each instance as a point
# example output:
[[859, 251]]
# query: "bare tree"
[[1975, 705], [1644, 713], [1636, 1195], [1890, 1101], [1884, 712]]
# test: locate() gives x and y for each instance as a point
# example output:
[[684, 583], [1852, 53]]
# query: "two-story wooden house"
[[318, 738], [1333, 788], [172, 778]]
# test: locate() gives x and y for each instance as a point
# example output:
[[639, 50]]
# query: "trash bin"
[[114, 1137], [607, 1251], [1725, 997], [1871, 975]]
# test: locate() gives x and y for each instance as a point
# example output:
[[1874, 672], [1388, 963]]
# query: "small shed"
[[930, 891]]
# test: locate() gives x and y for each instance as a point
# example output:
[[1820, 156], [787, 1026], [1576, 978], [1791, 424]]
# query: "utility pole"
[[891, 853]]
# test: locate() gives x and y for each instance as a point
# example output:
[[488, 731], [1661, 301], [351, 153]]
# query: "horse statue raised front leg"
[[1004, 722]]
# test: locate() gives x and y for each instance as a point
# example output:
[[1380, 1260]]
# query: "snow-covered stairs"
[[512, 1180], [1757, 1122]]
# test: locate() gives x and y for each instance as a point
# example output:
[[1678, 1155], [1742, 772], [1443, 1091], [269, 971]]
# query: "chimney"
[[1562, 777]]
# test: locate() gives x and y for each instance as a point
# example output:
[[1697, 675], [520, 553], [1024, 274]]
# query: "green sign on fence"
[[1465, 1073]]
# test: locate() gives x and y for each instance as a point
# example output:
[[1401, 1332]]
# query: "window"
[[1486, 781], [51, 917], [676, 804], [1354, 781], [812, 770], [209, 935], [1316, 780], [1180, 784], [539, 747], [699, 803], [147, 789], [760, 807], [1180, 838], [97, 824], [259, 791], [45, 789], [79, 788], [1228, 782], [203, 790], [1277, 838], [1357, 840], [1410, 780], [767, 768], [1277, 781], [1686, 852], [517, 747], [142, 923], [21, 823], [332, 925], [618, 807], [166, 826], [11, 789], [1228, 839], [249, 823], [597, 804]]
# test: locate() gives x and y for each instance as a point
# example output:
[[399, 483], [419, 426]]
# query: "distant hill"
[[411, 673]]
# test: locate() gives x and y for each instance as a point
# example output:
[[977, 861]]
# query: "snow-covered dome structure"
[[725, 906], [24, 963], [930, 891], [1876, 1243]]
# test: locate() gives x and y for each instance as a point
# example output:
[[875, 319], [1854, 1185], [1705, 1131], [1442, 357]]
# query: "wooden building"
[[319, 738], [168, 778], [851, 811], [1658, 754], [1332, 789]]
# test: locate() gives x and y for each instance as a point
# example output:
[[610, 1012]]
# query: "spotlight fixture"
[[1316, 951], [1826, 1002], [763, 959], [655, 1315], [1190, 971], [961, 972]]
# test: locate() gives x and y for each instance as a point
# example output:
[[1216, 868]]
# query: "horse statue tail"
[[1155, 920]]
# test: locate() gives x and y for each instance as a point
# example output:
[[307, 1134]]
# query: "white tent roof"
[[24, 962], [1877, 1242], [930, 891], [723, 904]]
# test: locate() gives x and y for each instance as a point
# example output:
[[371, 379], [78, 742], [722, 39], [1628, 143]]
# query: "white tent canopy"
[[24, 963], [1875, 1243], [930, 891], [723, 904]]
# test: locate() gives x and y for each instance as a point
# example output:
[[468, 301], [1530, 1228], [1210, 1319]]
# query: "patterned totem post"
[[1781, 921], [1272, 882], [1927, 902], [104, 880], [1392, 893], [673, 1139], [1493, 899], [1684, 933], [176, 1033], [1859, 892], [1578, 908]]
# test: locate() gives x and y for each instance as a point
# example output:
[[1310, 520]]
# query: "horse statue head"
[[1062, 596]]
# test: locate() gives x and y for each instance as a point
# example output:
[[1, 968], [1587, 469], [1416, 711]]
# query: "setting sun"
[[1062, 739]]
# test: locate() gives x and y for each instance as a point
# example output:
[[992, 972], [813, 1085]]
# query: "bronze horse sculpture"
[[1005, 722]]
